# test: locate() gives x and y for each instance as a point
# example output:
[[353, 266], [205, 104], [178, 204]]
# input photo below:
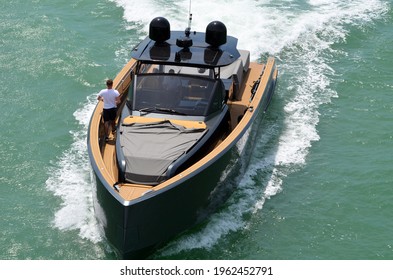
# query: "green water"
[[320, 180]]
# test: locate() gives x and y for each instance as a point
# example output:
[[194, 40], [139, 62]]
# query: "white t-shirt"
[[109, 96]]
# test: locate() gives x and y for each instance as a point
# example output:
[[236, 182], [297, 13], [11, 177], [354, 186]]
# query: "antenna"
[[185, 42], [188, 29]]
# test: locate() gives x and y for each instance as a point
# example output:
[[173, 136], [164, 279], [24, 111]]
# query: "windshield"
[[177, 94]]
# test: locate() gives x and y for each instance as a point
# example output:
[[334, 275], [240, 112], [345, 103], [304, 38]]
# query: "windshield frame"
[[169, 89]]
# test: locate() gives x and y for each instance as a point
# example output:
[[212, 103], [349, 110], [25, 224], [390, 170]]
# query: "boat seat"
[[232, 76]]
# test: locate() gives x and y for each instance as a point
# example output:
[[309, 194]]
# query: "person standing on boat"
[[111, 98]]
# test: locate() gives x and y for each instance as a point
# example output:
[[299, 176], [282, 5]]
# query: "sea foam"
[[70, 180]]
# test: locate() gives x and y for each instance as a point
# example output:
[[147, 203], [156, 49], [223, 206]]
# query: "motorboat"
[[191, 105]]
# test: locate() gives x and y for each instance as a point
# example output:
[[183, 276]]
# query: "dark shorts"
[[110, 114]]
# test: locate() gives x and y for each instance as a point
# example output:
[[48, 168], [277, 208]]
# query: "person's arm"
[[118, 100], [99, 97]]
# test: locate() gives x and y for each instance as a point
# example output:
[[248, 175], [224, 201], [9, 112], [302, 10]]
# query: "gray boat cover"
[[150, 148]]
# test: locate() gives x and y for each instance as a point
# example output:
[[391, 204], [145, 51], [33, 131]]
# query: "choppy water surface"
[[319, 182]]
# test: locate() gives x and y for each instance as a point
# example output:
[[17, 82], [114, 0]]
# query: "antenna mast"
[[185, 42], [188, 29]]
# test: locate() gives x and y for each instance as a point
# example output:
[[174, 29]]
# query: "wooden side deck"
[[238, 107]]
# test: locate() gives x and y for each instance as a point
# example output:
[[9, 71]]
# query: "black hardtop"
[[200, 54]]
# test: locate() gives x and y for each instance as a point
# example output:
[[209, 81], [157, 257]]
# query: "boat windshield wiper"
[[169, 110], [159, 109], [147, 110]]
